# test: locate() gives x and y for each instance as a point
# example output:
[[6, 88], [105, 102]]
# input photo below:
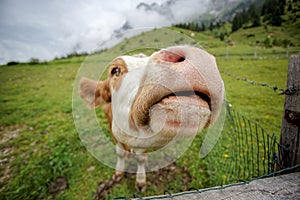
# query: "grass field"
[[39, 142]]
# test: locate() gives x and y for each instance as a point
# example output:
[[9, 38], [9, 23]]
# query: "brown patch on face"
[[132, 124], [139, 114], [103, 91], [95, 93], [142, 120], [108, 113], [117, 70]]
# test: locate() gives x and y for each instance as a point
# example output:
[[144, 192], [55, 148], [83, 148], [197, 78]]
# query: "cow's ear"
[[95, 93]]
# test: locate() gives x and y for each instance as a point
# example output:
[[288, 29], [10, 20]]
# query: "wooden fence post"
[[289, 148]]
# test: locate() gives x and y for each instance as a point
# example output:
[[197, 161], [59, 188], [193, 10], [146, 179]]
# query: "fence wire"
[[273, 87], [244, 152]]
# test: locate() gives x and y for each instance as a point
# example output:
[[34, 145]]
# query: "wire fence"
[[244, 151]]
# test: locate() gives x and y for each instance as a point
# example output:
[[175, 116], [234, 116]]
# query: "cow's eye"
[[116, 71]]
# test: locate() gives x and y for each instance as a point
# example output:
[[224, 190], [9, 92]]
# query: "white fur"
[[123, 98]]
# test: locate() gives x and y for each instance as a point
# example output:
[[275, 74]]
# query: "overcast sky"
[[45, 29]]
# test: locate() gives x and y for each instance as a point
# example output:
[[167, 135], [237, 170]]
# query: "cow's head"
[[150, 100]]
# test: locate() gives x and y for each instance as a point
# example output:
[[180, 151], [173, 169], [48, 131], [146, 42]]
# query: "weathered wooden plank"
[[279, 187], [290, 133]]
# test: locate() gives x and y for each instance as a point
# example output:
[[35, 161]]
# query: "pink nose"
[[180, 62]]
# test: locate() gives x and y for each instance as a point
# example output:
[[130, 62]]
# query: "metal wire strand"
[[273, 87]]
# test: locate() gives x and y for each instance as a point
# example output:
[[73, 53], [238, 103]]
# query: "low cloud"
[[48, 29]]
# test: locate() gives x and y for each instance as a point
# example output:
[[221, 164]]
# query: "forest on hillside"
[[270, 12]]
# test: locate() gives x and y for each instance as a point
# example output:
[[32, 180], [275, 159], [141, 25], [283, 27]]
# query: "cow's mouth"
[[193, 97], [174, 108], [180, 109]]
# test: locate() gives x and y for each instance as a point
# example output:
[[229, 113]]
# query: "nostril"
[[172, 57], [181, 59]]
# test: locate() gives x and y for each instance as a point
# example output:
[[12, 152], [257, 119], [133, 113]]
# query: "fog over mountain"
[[48, 29]]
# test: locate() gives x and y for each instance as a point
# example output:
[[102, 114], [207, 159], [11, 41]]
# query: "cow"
[[148, 101]]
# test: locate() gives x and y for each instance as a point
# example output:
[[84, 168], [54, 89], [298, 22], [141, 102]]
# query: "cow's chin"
[[180, 116]]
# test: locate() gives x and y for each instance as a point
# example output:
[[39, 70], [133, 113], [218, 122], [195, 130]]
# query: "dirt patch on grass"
[[58, 185], [161, 179], [164, 177], [106, 187], [7, 135]]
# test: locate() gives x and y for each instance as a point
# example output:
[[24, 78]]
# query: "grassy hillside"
[[39, 142]]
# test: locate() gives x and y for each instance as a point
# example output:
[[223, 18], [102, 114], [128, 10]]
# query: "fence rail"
[[293, 180]]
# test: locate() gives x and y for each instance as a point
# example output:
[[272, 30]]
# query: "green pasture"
[[39, 141]]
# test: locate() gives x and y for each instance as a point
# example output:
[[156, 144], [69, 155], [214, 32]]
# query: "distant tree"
[[222, 36], [290, 7], [268, 43], [256, 20], [286, 43], [73, 54], [253, 14], [11, 63], [203, 28], [276, 20], [245, 16], [268, 7], [218, 24], [237, 22], [282, 4], [266, 28], [252, 11], [34, 61], [179, 25], [196, 27], [211, 26], [272, 11], [276, 42], [191, 26]]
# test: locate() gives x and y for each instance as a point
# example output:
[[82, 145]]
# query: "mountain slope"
[[219, 10]]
